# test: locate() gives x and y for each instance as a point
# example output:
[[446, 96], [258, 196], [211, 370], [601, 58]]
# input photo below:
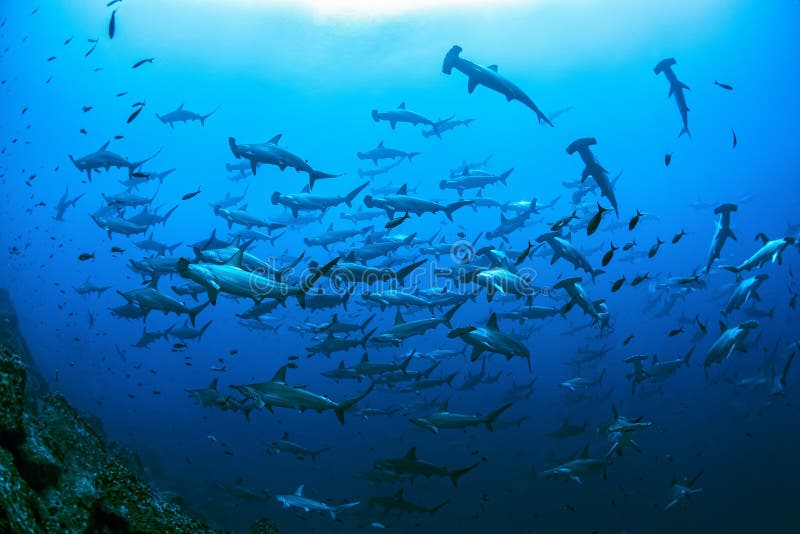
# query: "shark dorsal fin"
[[503, 219], [566, 422], [411, 454], [402, 105], [213, 384], [493, 67], [364, 358], [180, 107], [492, 322], [614, 411], [351, 256], [403, 190], [380, 145], [236, 259], [399, 495], [285, 435], [341, 364], [722, 327], [443, 406], [275, 140], [299, 490], [584, 453], [330, 227], [306, 189], [398, 318], [244, 207], [655, 358], [480, 193], [280, 376], [105, 146]]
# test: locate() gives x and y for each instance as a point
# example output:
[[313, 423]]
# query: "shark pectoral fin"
[[476, 353], [472, 83]]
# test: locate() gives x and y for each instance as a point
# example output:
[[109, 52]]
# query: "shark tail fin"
[[365, 323], [438, 507], [336, 509], [352, 194], [315, 175], [196, 310], [309, 282], [317, 452], [138, 164], [492, 417], [685, 130], [366, 337], [458, 473], [450, 208], [349, 403], [204, 117], [405, 271], [449, 314]]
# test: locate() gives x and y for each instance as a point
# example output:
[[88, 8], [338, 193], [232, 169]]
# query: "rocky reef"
[[57, 474]]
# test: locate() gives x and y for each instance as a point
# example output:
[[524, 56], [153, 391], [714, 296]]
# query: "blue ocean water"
[[313, 73]]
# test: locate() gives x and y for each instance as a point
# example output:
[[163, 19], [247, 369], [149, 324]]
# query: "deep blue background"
[[315, 78]]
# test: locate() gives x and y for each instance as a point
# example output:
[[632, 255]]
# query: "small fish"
[[793, 301], [140, 103], [51, 58], [678, 236], [87, 54], [735, 140], [723, 85], [117, 250], [86, 256], [83, 131], [112, 24], [142, 62], [618, 284], [628, 339], [703, 328], [397, 221], [675, 332], [654, 249], [594, 222], [461, 235], [86, 109], [293, 358], [179, 346], [123, 93], [69, 40], [139, 175], [193, 194], [667, 159], [629, 246], [233, 352], [640, 278], [635, 220], [608, 255], [118, 137], [524, 254], [112, 2], [134, 114]]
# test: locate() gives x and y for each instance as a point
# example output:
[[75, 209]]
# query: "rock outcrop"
[[56, 472]]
